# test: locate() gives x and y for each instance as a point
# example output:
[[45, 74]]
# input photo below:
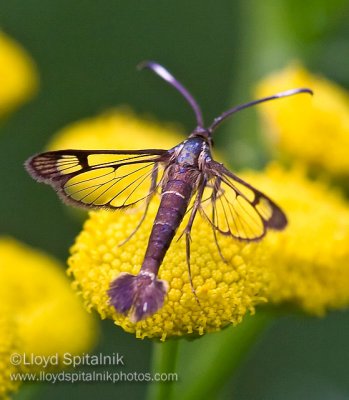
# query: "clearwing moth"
[[188, 180]]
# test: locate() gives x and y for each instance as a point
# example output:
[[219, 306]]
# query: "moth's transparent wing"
[[99, 179], [235, 208]]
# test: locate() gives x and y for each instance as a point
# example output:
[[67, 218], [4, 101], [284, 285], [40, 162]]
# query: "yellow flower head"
[[226, 291], [48, 315], [314, 130], [308, 263], [18, 75]]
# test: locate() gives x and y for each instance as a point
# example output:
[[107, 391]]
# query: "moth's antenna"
[[169, 78], [233, 110]]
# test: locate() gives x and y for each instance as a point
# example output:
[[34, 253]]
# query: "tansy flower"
[[307, 263], [226, 291], [314, 130], [49, 318], [18, 75]]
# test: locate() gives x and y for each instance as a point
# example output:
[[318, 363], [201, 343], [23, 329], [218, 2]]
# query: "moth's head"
[[203, 133]]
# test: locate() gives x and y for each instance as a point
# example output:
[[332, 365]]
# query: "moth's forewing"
[[109, 179]]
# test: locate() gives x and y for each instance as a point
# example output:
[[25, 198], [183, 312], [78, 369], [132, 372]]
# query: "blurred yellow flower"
[[42, 316], [308, 263], [314, 130], [117, 129], [18, 75], [8, 345], [226, 291]]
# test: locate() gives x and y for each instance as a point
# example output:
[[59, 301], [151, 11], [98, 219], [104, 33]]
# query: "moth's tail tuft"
[[140, 295]]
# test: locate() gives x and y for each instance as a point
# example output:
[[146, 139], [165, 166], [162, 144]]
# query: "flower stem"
[[208, 363], [164, 361]]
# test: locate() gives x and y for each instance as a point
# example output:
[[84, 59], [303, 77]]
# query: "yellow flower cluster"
[[226, 291], [42, 315], [314, 130], [18, 75], [308, 263]]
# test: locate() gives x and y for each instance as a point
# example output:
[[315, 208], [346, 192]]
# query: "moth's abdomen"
[[174, 202], [142, 295]]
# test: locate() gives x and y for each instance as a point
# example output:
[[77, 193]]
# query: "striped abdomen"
[[144, 293], [175, 198]]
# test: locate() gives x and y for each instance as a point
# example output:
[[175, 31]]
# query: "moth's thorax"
[[190, 152]]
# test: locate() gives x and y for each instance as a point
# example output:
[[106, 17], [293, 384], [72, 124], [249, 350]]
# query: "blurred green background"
[[86, 52]]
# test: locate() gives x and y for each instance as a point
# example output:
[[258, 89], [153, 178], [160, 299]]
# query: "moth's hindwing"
[[236, 208]]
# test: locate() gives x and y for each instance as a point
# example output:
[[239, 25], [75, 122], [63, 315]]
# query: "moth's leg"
[[152, 190], [187, 231], [218, 246], [217, 192]]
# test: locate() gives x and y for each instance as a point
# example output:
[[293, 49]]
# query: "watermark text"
[[94, 376], [66, 359]]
